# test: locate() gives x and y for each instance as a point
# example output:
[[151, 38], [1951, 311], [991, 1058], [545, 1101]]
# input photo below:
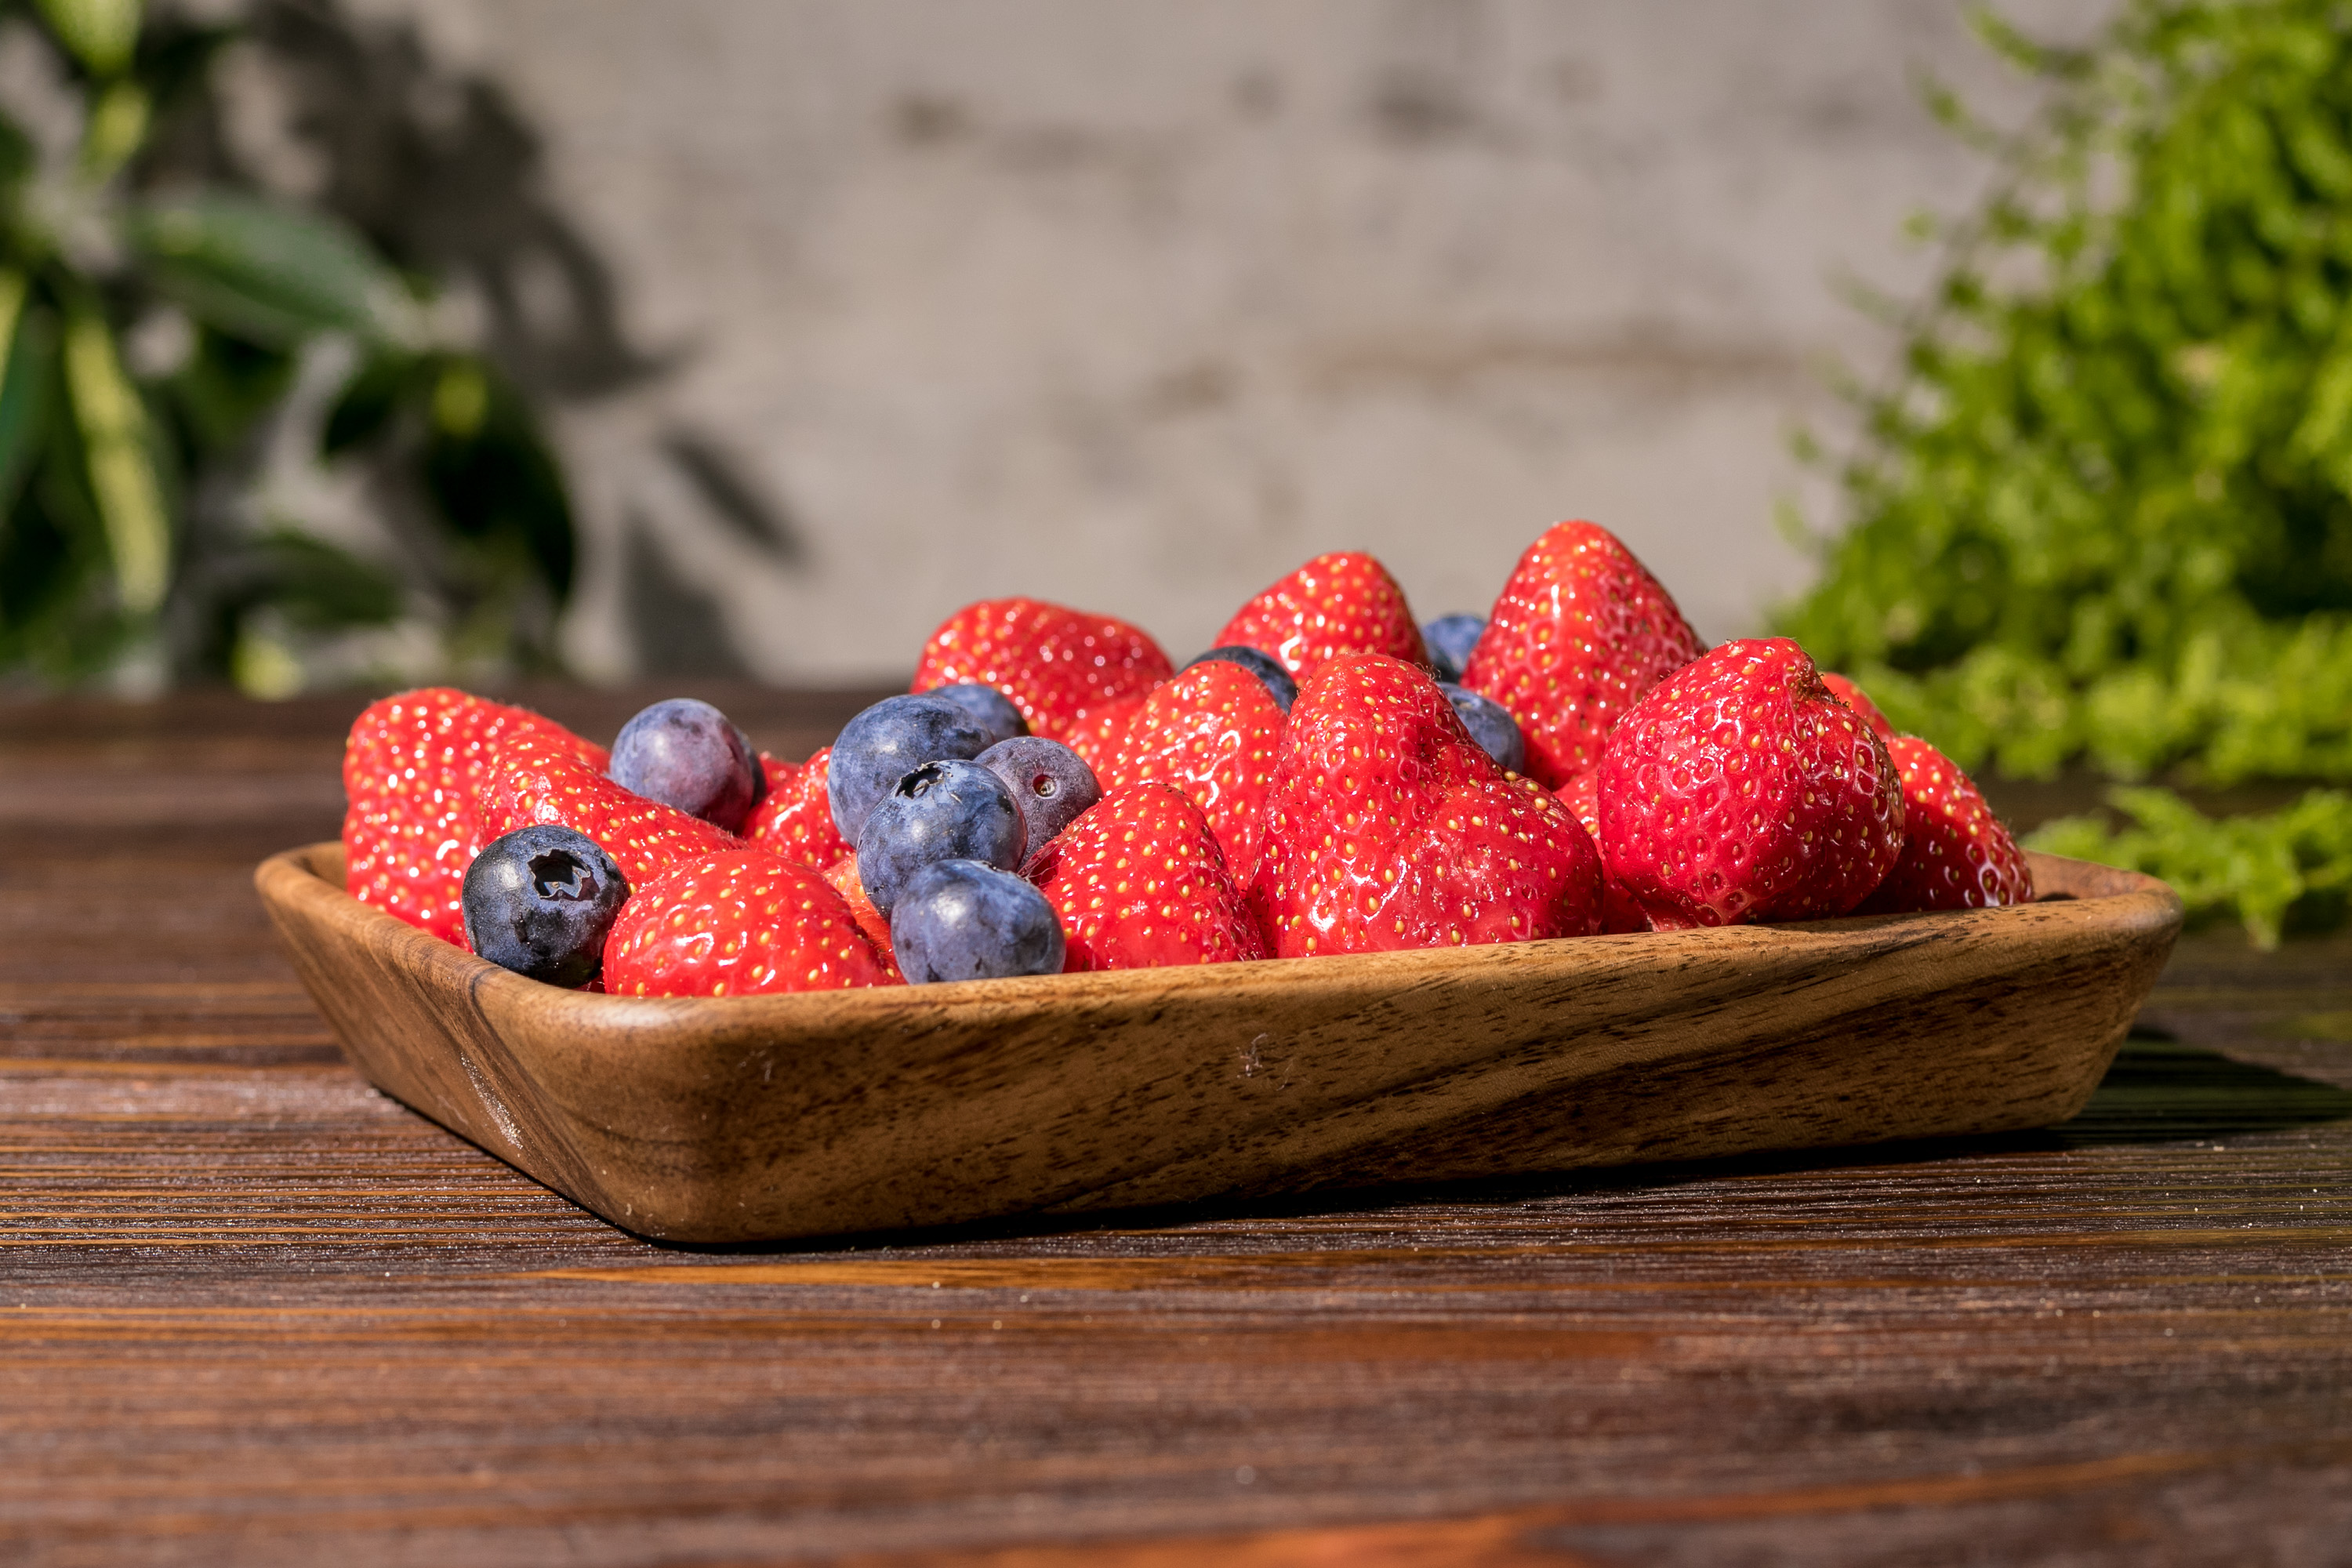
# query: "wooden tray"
[[765, 1118]]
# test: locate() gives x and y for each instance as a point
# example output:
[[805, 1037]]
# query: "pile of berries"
[[1053, 794]]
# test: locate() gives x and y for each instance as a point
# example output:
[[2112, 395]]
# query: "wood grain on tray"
[[764, 1118]]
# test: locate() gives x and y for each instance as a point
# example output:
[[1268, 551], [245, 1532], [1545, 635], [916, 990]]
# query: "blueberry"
[[685, 753], [890, 740], [959, 920], [986, 706], [1264, 665], [1050, 784], [1497, 732], [943, 811], [1449, 640], [539, 902]]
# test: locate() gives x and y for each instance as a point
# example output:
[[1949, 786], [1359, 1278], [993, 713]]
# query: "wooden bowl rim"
[[310, 877]]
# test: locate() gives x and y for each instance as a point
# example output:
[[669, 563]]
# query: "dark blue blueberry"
[[1497, 732], [943, 811], [1449, 640], [987, 706], [1050, 783], [685, 753], [539, 902], [1264, 665], [887, 742], [959, 920]]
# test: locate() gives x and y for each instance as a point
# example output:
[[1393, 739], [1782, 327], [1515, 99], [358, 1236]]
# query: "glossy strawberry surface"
[[1742, 790], [1052, 662], [1210, 733], [1387, 828], [1337, 604], [536, 778], [1855, 697], [740, 922], [845, 880], [1619, 912], [1955, 853], [413, 765], [1580, 633], [1140, 882], [795, 819], [1096, 733]]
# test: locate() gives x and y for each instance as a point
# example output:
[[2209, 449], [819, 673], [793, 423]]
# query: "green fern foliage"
[[2102, 514]]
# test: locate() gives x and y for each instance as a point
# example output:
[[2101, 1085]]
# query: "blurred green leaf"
[[491, 474], [225, 385], [26, 370], [318, 586], [117, 126], [100, 34], [18, 158], [122, 470], [268, 272], [363, 410]]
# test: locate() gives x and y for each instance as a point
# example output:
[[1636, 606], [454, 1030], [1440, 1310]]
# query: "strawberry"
[[1955, 853], [794, 818], [1139, 882], [412, 768], [1853, 697], [536, 778], [1742, 790], [1210, 732], [1619, 912], [1341, 602], [872, 921], [1052, 662], [1095, 732], [1580, 633], [739, 922], [1387, 826]]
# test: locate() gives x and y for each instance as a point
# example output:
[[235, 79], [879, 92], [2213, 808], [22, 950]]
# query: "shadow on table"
[[2161, 1090], [2158, 1090]]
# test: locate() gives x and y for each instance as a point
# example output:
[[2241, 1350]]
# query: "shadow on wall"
[[439, 167]]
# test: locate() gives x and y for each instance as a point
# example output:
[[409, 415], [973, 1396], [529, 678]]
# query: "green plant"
[[2288, 871], [2102, 513], [130, 535]]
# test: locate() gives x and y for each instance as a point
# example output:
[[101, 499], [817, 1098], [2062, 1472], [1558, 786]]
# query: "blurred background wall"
[[1140, 305]]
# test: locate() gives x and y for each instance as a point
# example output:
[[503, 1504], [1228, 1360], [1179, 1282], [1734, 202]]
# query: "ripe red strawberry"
[[412, 769], [1210, 733], [1388, 827], [1853, 697], [1095, 732], [1139, 882], [1052, 662], [536, 778], [871, 920], [1580, 633], [1741, 790], [1955, 853], [1619, 912], [740, 922], [1341, 602], [794, 818]]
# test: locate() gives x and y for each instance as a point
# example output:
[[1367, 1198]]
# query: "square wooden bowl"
[[766, 1117]]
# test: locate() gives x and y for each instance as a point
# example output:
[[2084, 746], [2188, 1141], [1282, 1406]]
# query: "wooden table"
[[253, 1312]]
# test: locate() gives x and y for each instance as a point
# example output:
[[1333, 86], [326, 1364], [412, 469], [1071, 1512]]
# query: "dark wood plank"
[[251, 1312]]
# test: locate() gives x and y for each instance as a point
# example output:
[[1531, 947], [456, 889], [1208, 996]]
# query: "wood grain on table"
[[253, 1312]]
